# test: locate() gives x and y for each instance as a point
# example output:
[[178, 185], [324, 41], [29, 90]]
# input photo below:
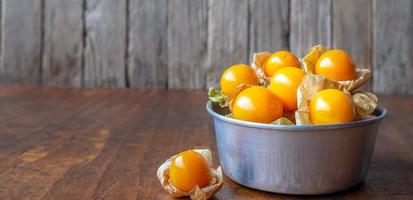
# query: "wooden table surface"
[[107, 144]]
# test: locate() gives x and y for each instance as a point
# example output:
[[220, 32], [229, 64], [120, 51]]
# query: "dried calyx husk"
[[258, 62], [217, 179], [283, 121], [309, 61], [364, 102]]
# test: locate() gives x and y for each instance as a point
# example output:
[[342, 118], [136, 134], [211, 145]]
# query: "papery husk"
[[258, 61], [308, 62], [290, 115], [217, 179], [283, 121], [310, 85], [364, 102]]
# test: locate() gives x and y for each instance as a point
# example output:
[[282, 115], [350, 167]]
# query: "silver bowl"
[[295, 159]]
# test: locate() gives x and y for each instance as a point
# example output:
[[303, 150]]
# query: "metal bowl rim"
[[380, 108]]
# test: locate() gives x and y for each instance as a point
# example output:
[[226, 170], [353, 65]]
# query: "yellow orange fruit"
[[189, 169], [337, 65], [278, 60], [235, 76], [330, 106], [284, 85], [257, 104]]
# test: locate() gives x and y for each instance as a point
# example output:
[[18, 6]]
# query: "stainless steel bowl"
[[295, 159]]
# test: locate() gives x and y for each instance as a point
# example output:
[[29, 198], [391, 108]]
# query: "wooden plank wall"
[[186, 44], [62, 43], [21, 41]]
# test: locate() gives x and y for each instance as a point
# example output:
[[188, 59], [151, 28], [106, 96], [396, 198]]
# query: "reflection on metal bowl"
[[295, 159]]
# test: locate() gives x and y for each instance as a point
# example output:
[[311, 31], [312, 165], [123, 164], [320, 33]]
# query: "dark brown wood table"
[[107, 144]]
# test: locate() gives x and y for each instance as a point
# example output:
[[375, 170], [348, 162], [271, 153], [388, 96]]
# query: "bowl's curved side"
[[311, 161]]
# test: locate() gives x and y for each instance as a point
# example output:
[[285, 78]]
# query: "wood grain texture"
[[269, 26], [227, 37], [311, 24], [105, 43], [183, 44], [63, 42], [393, 46], [352, 30], [108, 144], [21, 36], [147, 67], [187, 43]]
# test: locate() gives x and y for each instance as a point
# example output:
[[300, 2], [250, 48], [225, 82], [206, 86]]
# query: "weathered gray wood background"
[[186, 44]]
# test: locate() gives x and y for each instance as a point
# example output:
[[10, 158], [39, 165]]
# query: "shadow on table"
[[389, 177]]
